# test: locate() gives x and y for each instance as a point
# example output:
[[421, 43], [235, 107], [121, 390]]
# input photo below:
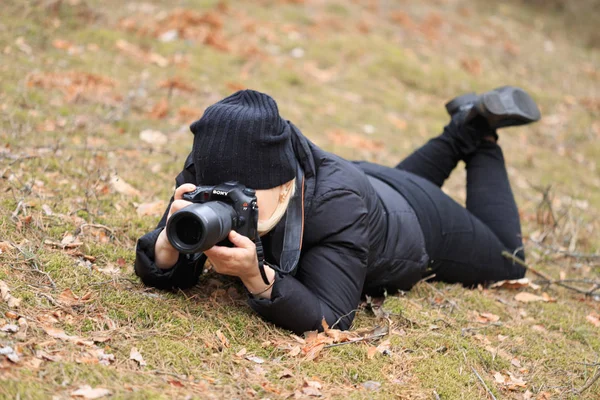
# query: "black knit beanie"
[[243, 138]]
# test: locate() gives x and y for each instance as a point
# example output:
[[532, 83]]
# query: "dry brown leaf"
[[153, 137], [222, 338], [312, 388], [547, 298], [75, 85], [32, 363], [135, 355], [515, 284], [160, 110], [255, 359], [286, 373], [176, 83], [68, 298], [61, 44], [312, 352], [135, 51], [399, 123], [355, 141], [471, 65], [5, 295], [515, 383], [5, 247], [371, 351], [526, 297], [87, 392], [294, 351], [242, 352], [515, 363], [593, 319], [156, 208], [539, 328], [110, 269], [60, 334], [174, 382], [123, 187], [487, 317]]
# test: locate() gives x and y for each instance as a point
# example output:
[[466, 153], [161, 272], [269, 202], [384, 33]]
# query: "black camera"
[[217, 210]]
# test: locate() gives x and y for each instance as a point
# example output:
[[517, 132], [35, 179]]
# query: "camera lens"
[[198, 227], [189, 230]]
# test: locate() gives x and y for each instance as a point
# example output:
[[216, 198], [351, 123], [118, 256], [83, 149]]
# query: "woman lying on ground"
[[333, 230]]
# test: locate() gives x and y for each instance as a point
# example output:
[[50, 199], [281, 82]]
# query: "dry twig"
[[566, 253], [483, 383], [548, 280], [590, 382]]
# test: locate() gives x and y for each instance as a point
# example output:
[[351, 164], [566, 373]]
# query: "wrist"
[[165, 255], [256, 285]]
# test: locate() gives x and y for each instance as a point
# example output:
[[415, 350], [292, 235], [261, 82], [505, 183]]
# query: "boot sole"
[[508, 106]]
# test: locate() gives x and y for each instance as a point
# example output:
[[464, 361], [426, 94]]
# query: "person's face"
[[267, 200]]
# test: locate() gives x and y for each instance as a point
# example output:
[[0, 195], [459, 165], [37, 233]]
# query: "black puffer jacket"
[[360, 236]]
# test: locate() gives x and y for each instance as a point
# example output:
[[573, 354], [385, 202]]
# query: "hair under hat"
[[243, 138]]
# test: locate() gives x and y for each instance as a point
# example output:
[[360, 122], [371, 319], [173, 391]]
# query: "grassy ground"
[[80, 80]]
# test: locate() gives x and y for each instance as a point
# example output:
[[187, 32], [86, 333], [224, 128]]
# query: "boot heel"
[[455, 104]]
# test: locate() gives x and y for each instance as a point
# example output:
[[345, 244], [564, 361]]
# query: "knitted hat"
[[243, 138]]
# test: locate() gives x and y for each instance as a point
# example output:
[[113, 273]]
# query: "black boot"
[[499, 108]]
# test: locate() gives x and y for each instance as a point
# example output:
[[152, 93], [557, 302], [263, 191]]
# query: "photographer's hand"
[[241, 261], [165, 255]]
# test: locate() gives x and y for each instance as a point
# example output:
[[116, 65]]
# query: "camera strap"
[[260, 254], [294, 228]]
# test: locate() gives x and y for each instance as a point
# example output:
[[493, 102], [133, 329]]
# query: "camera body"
[[217, 210]]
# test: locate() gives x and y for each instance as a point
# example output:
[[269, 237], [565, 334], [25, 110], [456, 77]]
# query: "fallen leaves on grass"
[[510, 381], [594, 319], [485, 318], [10, 300], [312, 388], [123, 187], [87, 392], [355, 141], [139, 54], [154, 208], [153, 137], [75, 85], [5, 247], [222, 338], [160, 110], [178, 84], [526, 297], [135, 355], [255, 359], [60, 334], [515, 284]]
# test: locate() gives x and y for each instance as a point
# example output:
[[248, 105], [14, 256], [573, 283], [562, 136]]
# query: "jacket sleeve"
[[329, 280], [188, 268]]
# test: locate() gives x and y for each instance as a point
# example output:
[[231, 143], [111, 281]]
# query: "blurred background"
[[96, 97]]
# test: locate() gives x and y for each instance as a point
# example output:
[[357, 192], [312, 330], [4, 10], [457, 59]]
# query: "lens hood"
[[198, 227]]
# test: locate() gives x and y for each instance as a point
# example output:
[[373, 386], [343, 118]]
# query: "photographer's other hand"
[[241, 261], [165, 255]]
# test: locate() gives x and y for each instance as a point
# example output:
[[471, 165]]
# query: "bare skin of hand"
[[166, 255], [241, 261]]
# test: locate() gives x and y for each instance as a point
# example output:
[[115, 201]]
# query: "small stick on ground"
[[566, 253], [548, 279], [590, 382], [363, 339], [483, 383]]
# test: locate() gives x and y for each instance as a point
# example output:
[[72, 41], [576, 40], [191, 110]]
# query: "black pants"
[[465, 244]]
